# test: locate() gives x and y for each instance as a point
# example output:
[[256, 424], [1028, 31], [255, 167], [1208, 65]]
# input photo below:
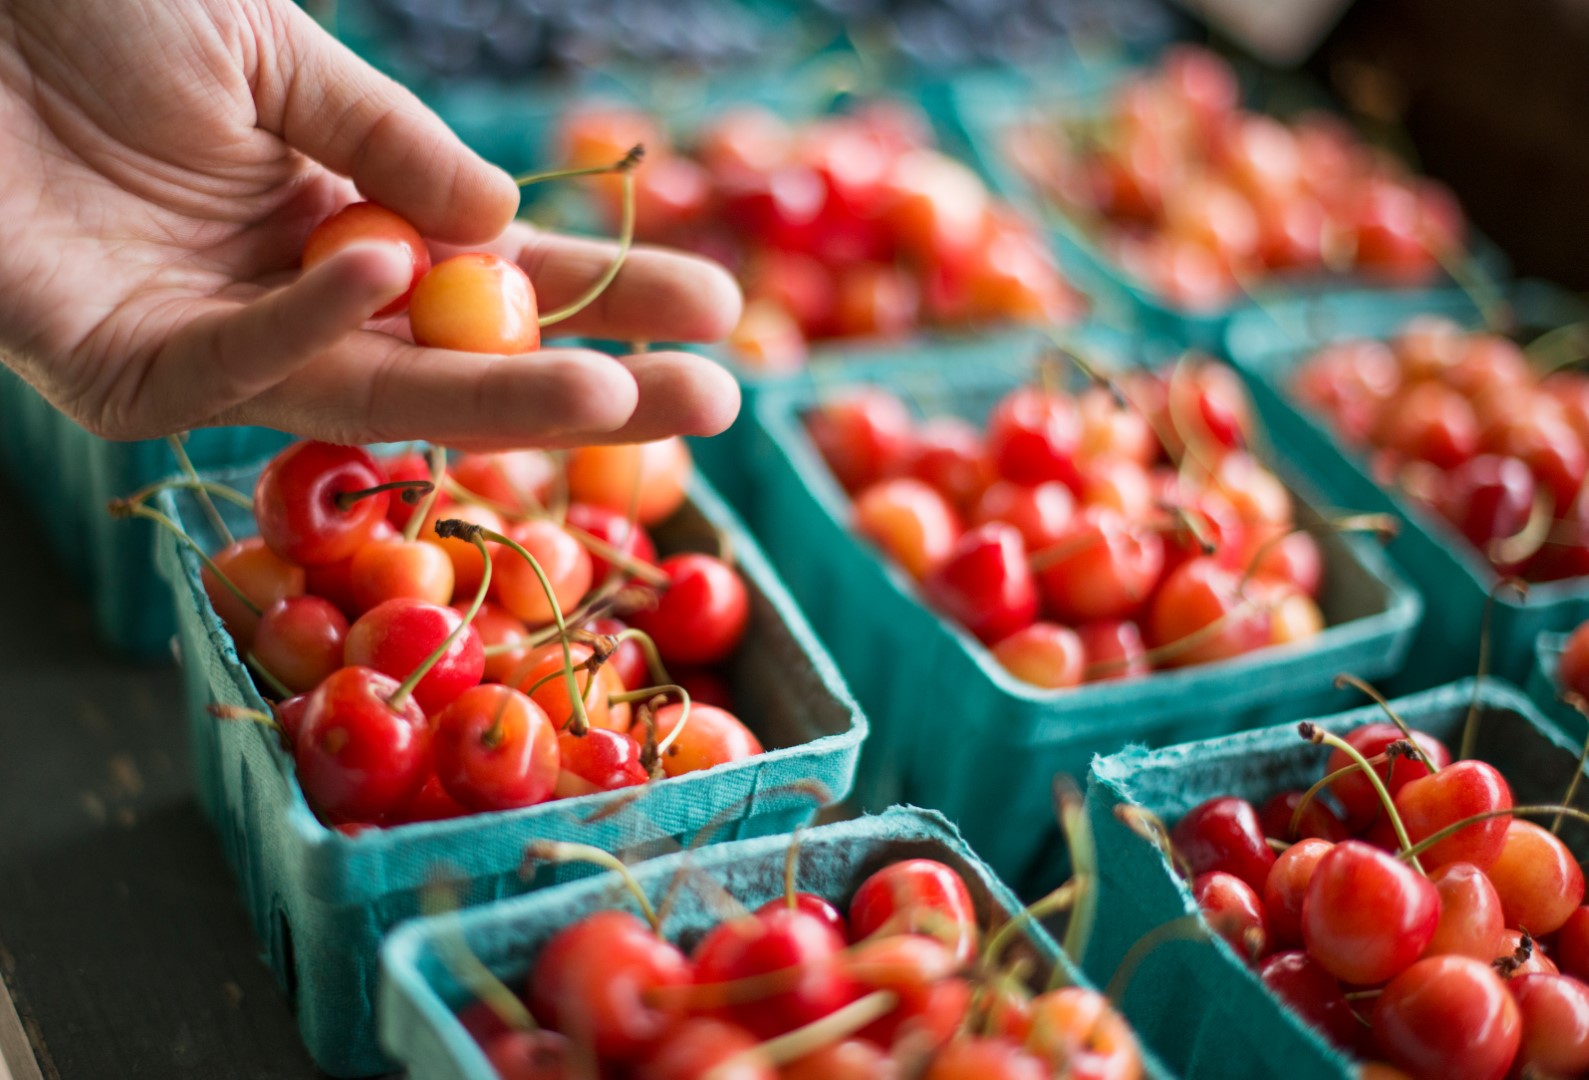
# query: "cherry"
[[395, 637], [430, 803], [1078, 1029], [917, 896], [1389, 243], [875, 300], [710, 737], [852, 1059], [1572, 667], [468, 565], [289, 716], [937, 207], [595, 982], [813, 905], [334, 581], [911, 521], [360, 756], [1313, 994], [1430, 422], [798, 287], [262, 575], [1110, 430], [797, 956], [1459, 790], [1044, 655], [1295, 558], [629, 661], [1512, 946], [1450, 1017], [516, 479], [1104, 567], [614, 529], [1367, 916], [1538, 880], [917, 970], [410, 466], [971, 1058], [1548, 446], [481, 1022], [530, 1055], [702, 1048], [1487, 498], [1471, 923], [477, 302], [985, 583], [768, 339], [1572, 944], [1287, 886], [300, 641], [1012, 277], [1205, 599], [391, 569], [1113, 649], [1354, 790], [1234, 910], [863, 435], [1117, 484], [495, 749], [542, 676], [302, 504], [1555, 1016], [1224, 834], [599, 760], [365, 222], [701, 614], [563, 559], [1033, 436], [946, 452], [1042, 513], [610, 476], [1318, 820]]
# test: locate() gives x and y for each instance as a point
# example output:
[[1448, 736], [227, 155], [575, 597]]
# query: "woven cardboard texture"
[[951, 729], [321, 901], [1201, 1008]]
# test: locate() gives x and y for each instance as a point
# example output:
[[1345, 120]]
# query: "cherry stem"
[[791, 870], [273, 684], [1470, 728], [438, 470], [1277, 846], [1171, 649], [238, 712], [803, 1041], [581, 720], [1506, 966], [530, 509], [412, 490], [1343, 681], [1188, 519], [560, 852], [1383, 526], [1318, 736], [618, 558], [1535, 533], [231, 495], [1070, 807], [599, 286], [472, 533], [1362, 995], [461, 962], [1186, 928], [1200, 449], [649, 647], [123, 508], [1577, 702], [650, 692], [1295, 825], [1457, 826], [635, 155], [1063, 898], [1150, 827], [186, 463]]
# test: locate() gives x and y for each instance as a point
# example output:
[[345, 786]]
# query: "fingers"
[[659, 295], [326, 102], [680, 394]]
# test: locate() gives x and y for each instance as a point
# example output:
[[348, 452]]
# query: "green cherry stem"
[[1318, 736], [220, 491], [466, 967], [599, 286], [635, 155], [127, 508], [344, 501], [1061, 899], [803, 1041], [438, 470], [1343, 681], [464, 531], [1071, 810], [1412, 852], [276, 686], [650, 692], [180, 452], [791, 870], [1470, 728], [1329, 778], [649, 647], [1186, 928], [560, 852]]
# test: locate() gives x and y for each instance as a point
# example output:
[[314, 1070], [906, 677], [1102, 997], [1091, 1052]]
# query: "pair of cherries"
[[423, 672], [1199, 199], [1410, 918], [898, 984], [846, 226], [1087, 536], [1463, 425]]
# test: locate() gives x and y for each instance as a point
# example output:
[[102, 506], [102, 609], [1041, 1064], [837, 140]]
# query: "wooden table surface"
[[123, 943]]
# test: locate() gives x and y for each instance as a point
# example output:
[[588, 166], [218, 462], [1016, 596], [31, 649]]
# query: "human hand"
[[164, 163]]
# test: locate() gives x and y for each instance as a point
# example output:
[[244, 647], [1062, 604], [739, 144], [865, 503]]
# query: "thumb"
[[326, 102]]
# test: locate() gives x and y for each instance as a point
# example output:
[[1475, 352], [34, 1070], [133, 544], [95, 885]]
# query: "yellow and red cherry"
[[317, 503], [1287, 886], [805, 950], [1296, 559], [985, 584], [1042, 513], [1077, 1028], [917, 896], [599, 760], [1448, 1016], [850, 1059], [1205, 599], [975, 1058], [1044, 654], [1555, 1015], [712, 736], [911, 521], [1114, 649], [700, 615], [1235, 911], [1538, 880], [300, 641], [1514, 945], [468, 565], [768, 338], [1033, 436], [1354, 791], [359, 756], [536, 676], [919, 972], [401, 569], [367, 222], [395, 638], [864, 435], [477, 302], [610, 476], [499, 629], [334, 581], [947, 453], [1458, 791], [495, 749], [1104, 567], [562, 558], [263, 576]]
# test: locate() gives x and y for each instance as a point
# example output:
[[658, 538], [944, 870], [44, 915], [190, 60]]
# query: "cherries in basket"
[[490, 635], [1086, 536]]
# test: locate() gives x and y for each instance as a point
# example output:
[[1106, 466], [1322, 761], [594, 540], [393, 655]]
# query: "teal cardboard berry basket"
[[419, 994], [1203, 1010], [951, 729], [321, 901], [1455, 579], [67, 476]]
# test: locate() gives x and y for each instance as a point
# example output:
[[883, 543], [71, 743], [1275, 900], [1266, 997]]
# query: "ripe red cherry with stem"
[[1235, 911], [917, 896], [911, 521], [300, 641], [1449, 1017], [1287, 887], [542, 675], [1114, 650], [613, 529], [1313, 994], [1356, 793], [813, 905], [701, 614], [1077, 1028], [1538, 880], [703, 739], [912, 968], [1318, 819], [495, 749], [334, 581], [1555, 1015], [264, 577], [1471, 923], [796, 957], [563, 560], [1032, 437], [467, 563], [430, 803], [1203, 611], [1458, 791], [597, 980], [1224, 834], [1043, 654], [366, 223], [477, 302], [985, 583], [1367, 915], [395, 637], [863, 435], [1043, 513], [316, 502], [599, 760], [1104, 567], [363, 745]]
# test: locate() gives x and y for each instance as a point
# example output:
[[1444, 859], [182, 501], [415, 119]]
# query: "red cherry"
[[1487, 498], [1313, 994], [262, 575], [300, 641], [1449, 1017], [805, 954], [701, 615], [599, 760], [1555, 1015], [358, 756], [984, 1059], [1043, 514], [563, 559], [1355, 792], [497, 627], [296, 502], [629, 662], [477, 302], [1119, 485], [289, 716], [1109, 429], [1460, 790], [918, 971], [1287, 887], [711, 737], [946, 453], [495, 749], [1078, 1029], [1044, 655], [1224, 834], [430, 803], [1114, 650], [1318, 820], [334, 581], [1548, 446], [702, 1048], [1572, 944], [1205, 599], [366, 222], [912, 522], [875, 300], [409, 466], [863, 435], [813, 905], [516, 479], [985, 583], [1430, 422], [1367, 916], [917, 896], [1032, 437], [613, 528], [1106, 568], [1538, 880], [594, 981], [530, 1055], [389, 569], [1295, 558], [397, 636], [1234, 910], [1572, 668], [1536, 964], [1471, 923]]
